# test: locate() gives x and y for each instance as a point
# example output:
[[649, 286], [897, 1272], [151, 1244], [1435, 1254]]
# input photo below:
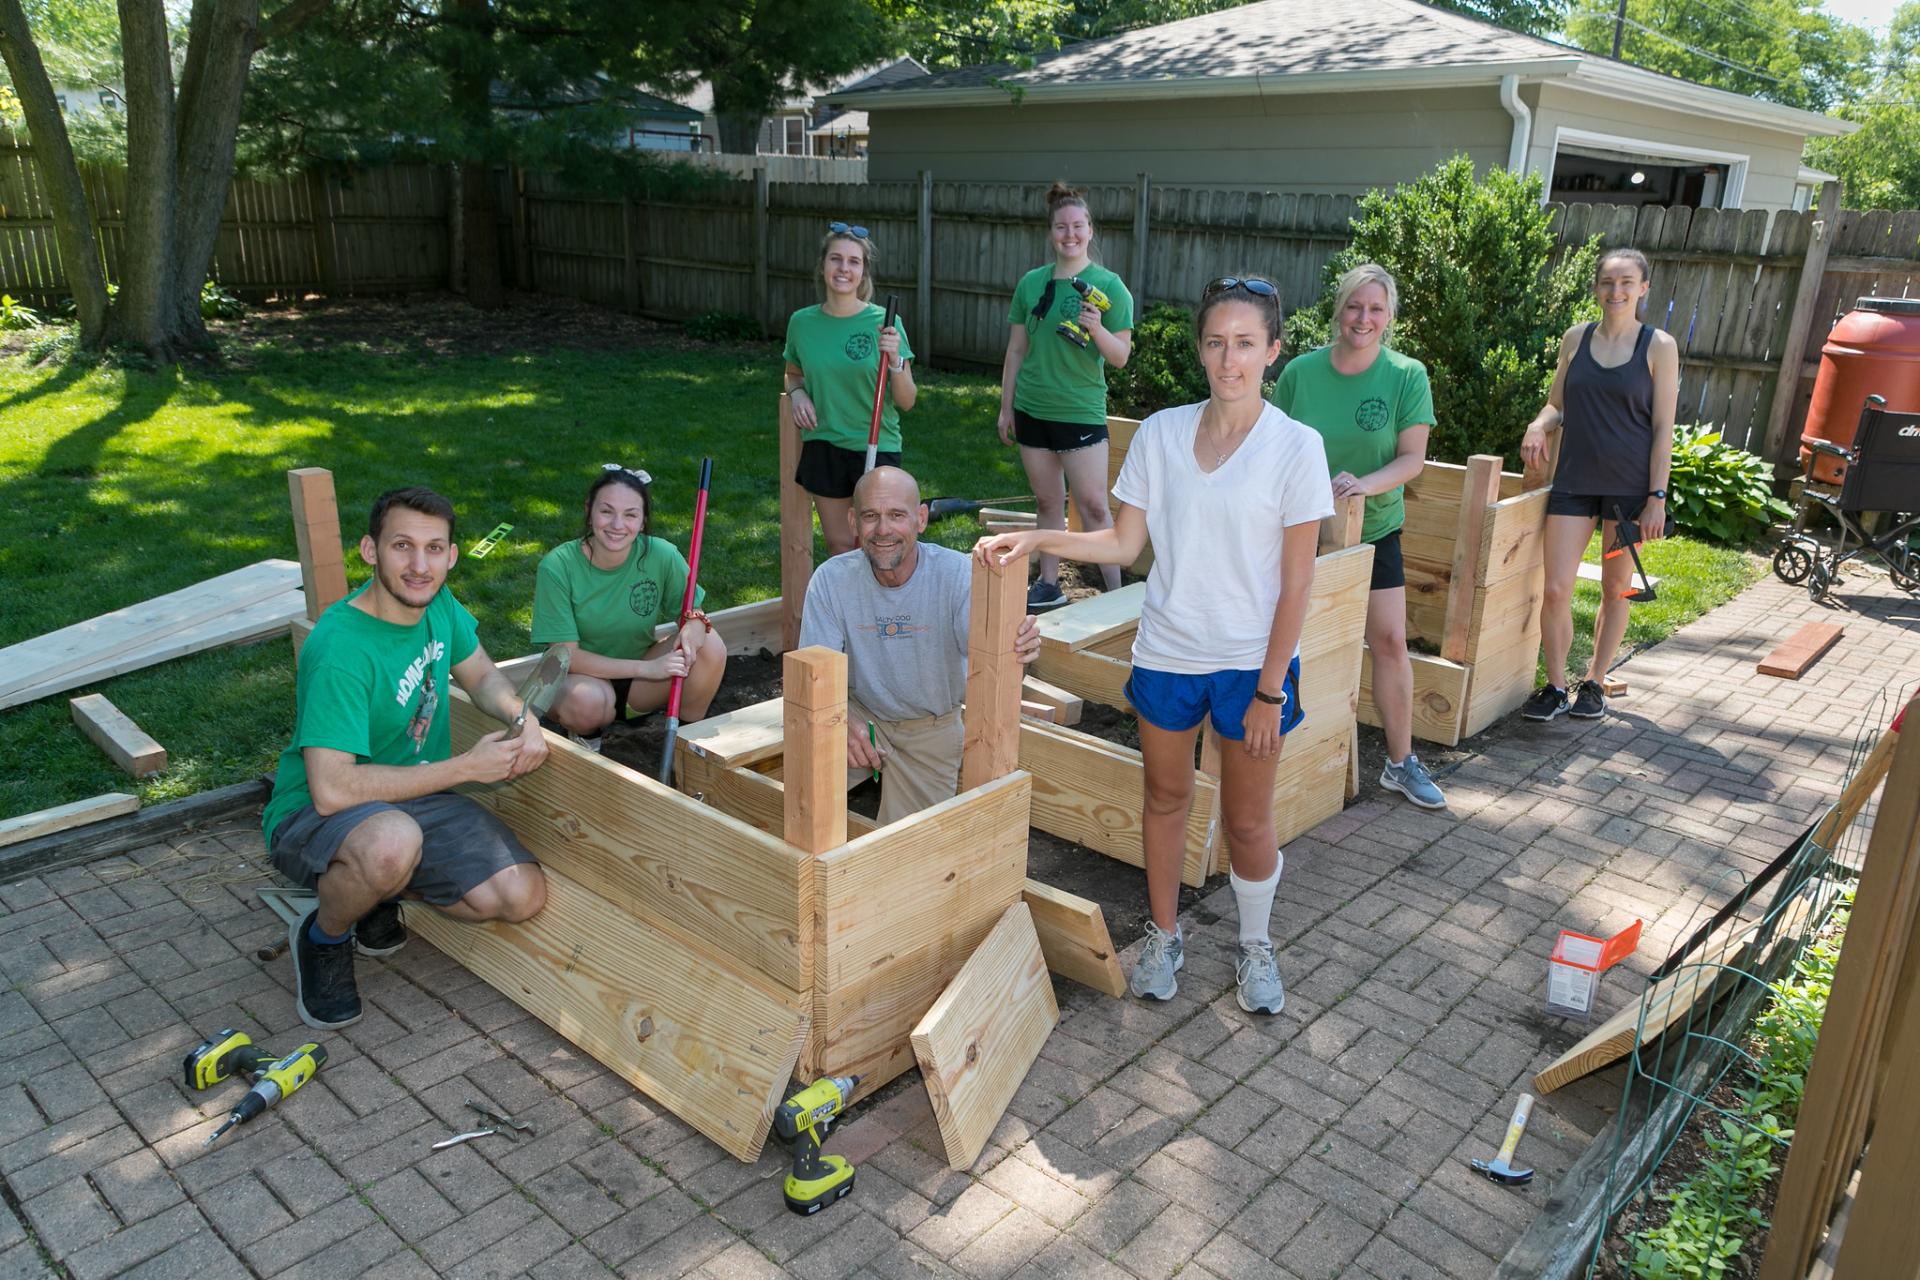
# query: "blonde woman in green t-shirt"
[[833, 360], [603, 594], [1053, 386], [1373, 409]]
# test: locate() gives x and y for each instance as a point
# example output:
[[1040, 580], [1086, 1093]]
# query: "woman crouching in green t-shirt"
[[1374, 409], [603, 594], [1053, 387], [833, 359]]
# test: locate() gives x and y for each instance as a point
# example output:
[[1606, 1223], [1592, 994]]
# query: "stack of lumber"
[[253, 603]]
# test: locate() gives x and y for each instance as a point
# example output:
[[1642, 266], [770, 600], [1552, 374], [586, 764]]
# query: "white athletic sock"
[[1255, 900]]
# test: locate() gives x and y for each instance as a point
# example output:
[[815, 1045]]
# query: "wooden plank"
[[796, 531], [1101, 617], [98, 642], [1089, 791], [1037, 710], [978, 1041], [711, 1046], [1802, 649], [685, 869], [754, 798], [1342, 529], [64, 817], [160, 822], [316, 535], [257, 621], [742, 737], [1067, 707], [815, 756], [126, 743], [1088, 675], [992, 724], [1479, 491], [1074, 938], [899, 912], [1439, 697], [1510, 540]]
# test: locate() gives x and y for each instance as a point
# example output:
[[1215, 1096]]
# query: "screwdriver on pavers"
[[273, 1084]]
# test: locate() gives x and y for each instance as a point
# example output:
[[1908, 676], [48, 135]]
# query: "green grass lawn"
[[1694, 577], [116, 486]]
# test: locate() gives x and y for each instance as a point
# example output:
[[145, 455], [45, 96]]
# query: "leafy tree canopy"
[[1881, 164]]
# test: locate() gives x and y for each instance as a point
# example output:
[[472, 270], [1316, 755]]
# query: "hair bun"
[[1061, 194]]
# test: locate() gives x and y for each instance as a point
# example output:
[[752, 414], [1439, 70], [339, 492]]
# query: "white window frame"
[[1735, 161]]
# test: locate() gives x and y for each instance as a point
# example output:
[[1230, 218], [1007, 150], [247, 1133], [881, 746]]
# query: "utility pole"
[[1619, 21]]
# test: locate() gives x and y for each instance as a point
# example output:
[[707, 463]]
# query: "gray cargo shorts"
[[462, 846]]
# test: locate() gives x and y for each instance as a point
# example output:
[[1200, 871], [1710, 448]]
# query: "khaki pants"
[[922, 760]]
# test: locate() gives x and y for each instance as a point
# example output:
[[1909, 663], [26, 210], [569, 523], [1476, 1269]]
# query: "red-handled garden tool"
[[686, 607], [880, 387]]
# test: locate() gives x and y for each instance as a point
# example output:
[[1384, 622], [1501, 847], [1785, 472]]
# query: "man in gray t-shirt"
[[898, 609]]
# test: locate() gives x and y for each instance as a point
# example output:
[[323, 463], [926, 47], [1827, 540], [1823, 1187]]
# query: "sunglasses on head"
[[635, 472], [853, 229], [1252, 284]]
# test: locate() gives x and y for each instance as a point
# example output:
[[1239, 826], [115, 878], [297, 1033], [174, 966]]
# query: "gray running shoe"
[[592, 744], [1261, 990], [1411, 779], [1160, 959]]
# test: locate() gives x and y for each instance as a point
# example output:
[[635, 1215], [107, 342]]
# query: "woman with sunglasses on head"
[[1373, 409], [602, 595], [1613, 400], [834, 350], [1232, 492], [1053, 386]]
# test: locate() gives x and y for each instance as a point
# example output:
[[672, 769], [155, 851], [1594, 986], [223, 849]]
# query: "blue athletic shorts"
[[1178, 703]]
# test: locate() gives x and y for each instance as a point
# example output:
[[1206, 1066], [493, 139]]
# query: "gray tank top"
[[1607, 429]]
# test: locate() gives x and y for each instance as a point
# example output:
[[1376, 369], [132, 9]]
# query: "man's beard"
[[395, 586]]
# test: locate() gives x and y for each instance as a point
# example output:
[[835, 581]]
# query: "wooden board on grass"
[[1074, 938], [114, 732], [978, 1041], [63, 817], [715, 1048], [1802, 649]]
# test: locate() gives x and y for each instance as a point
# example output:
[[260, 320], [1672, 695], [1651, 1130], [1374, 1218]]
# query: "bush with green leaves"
[[724, 326], [1482, 301], [217, 304], [1164, 369], [1719, 492], [15, 314]]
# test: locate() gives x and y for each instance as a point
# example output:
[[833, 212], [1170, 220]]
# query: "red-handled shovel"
[[880, 387], [686, 606]]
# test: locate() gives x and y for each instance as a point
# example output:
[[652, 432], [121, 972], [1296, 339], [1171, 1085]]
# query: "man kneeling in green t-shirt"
[[363, 808]]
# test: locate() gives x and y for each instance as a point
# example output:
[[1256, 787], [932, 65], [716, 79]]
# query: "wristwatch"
[[1275, 699], [1661, 494]]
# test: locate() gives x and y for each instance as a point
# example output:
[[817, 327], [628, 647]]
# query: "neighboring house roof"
[[844, 122], [1290, 46], [880, 74]]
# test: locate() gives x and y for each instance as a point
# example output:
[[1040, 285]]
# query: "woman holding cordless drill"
[[1069, 320], [833, 357]]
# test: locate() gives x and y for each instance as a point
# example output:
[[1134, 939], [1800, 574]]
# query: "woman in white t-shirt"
[[1231, 492]]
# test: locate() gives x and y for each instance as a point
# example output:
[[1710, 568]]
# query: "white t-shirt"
[[1217, 536]]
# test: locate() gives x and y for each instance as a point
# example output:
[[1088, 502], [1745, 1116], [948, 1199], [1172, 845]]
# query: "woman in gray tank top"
[[1613, 402]]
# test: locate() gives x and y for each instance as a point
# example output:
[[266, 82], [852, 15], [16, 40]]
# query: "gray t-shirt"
[[906, 646]]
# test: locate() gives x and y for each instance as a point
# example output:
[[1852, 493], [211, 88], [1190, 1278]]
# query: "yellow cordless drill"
[[1072, 330], [803, 1120], [274, 1078]]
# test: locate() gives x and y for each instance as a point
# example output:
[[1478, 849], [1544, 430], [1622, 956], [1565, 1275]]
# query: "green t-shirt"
[[1060, 381], [375, 689], [840, 356], [611, 612], [1360, 418]]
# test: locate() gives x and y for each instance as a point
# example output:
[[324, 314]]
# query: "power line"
[[1699, 52]]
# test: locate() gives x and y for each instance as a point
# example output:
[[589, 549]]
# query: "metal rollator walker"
[[1883, 476]]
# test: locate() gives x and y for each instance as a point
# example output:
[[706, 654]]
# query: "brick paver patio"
[[1331, 1141]]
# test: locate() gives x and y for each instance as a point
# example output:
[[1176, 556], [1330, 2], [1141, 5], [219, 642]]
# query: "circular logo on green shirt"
[[644, 599], [1370, 414], [860, 346]]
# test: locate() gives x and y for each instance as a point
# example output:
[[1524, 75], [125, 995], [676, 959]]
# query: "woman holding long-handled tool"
[[849, 377], [603, 594]]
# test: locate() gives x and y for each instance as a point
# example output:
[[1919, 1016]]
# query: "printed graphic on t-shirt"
[[418, 678], [423, 714], [1370, 414], [644, 599], [860, 346], [900, 628]]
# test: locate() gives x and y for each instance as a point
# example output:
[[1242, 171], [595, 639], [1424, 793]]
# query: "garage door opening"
[[1600, 169]]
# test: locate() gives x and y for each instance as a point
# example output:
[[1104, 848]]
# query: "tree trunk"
[[223, 37], [472, 86], [740, 131], [53, 154], [481, 222], [143, 313]]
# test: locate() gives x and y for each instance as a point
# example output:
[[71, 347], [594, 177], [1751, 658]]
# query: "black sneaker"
[[324, 992], [380, 932], [1589, 702], [1044, 595], [1546, 703]]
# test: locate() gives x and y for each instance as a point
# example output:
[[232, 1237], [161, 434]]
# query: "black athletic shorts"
[[1592, 505], [1389, 566], [1060, 437], [828, 471]]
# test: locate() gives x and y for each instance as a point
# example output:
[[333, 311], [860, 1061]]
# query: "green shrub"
[[1482, 304], [217, 304], [1164, 369], [1719, 492], [15, 314], [724, 326]]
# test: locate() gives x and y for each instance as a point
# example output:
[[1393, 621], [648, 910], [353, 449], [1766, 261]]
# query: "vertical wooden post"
[[999, 603], [1342, 529], [1142, 194], [316, 532], [522, 216], [1786, 384], [796, 532], [814, 765], [1883, 1236], [630, 267], [922, 336], [1479, 489], [760, 302]]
